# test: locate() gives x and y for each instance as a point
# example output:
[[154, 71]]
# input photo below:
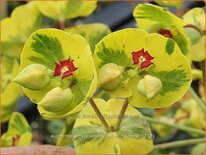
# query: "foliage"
[[93, 80]]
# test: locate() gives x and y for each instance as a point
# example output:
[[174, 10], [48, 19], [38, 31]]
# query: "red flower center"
[[142, 58], [64, 68], [166, 33]]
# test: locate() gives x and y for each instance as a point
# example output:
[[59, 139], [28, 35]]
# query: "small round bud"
[[132, 73], [110, 75], [34, 77], [57, 100], [149, 86]]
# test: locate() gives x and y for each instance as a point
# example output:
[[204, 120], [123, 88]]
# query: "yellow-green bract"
[[168, 64], [90, 136], [195, 116], [196, 17], [10, 69], [16, 29], [93, 33], [62, 10], [18, 133], [51, 47], [155, 19]]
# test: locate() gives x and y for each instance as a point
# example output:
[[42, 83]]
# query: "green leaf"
[[172, 80], [110, 55], [49, 48]]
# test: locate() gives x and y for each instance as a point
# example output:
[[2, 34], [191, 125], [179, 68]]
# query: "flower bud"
[[57, 100], [34, 77], [110, 75], [149, 86]]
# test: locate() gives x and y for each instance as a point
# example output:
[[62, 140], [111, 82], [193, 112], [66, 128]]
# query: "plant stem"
[[180, 127], [121, 114], [179, 143], [197, 99], [99, 114], [194, 27], [62, 24]]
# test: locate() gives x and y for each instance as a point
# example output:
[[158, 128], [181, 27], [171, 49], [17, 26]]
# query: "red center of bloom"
[[64, 68], [166, 33], [142, 58]]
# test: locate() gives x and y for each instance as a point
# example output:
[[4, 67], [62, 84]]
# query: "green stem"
[[180, 127], [99, 114], [179, 143], [197, 99], [121, 114]]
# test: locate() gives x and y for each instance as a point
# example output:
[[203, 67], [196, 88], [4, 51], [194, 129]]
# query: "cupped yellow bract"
[[169, 65], [18, 133], [155, 19], [62, 10], [49, 47], [16, 29], [93, 33], [90, 136], [196, 17], [9, 68]]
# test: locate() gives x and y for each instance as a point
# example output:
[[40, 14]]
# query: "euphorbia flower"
[[63, 55], [142, 58], [164, 83], [64, 68], [156, 19]]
